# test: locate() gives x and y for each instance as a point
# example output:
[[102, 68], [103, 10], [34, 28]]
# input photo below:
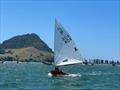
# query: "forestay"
[[65, 50]]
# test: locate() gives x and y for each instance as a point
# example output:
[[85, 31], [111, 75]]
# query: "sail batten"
[[65, 50]]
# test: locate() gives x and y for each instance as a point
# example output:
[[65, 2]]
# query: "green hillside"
[[28, 47], [27, 40]]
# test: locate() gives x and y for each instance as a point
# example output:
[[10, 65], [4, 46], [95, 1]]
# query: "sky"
[[94, 25]]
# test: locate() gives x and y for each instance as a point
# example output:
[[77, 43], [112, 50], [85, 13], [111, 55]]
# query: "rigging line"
[[73, 67], [70, 69]]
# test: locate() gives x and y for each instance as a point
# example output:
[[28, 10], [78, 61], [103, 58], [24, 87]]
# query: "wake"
[[67, 75], [73, 75]]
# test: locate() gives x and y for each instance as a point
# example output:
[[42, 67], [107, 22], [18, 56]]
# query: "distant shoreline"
[[16, 62]]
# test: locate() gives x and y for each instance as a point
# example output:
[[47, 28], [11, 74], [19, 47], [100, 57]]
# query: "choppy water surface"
[[34, 76]]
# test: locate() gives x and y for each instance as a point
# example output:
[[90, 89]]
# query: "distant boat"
[[65, 50]]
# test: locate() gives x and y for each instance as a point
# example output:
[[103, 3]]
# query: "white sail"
[[65, 50]]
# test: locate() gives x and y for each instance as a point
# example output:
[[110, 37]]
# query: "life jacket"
[[57, 72]]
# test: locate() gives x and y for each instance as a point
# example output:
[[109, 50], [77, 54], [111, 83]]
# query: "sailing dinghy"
[[65, 50]]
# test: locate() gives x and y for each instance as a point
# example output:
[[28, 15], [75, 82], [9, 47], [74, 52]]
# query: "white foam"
[[49, 74], [68, 75], [74, 75]]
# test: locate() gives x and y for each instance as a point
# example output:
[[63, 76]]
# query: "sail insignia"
[[65, 60], [75, 49]]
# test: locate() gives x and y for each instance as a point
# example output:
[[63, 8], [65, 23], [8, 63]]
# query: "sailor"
[[56, 68], [57, 72]]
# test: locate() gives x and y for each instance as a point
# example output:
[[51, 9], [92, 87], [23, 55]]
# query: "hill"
[[27, 40], [28, 47]]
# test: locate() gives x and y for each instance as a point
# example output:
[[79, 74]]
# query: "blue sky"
[[93, 24]]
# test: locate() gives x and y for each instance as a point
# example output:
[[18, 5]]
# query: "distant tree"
[[118, 62], [113, 63], [106, 61], [102, 61]]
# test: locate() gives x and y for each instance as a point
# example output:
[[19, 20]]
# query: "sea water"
[[34, 76]]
